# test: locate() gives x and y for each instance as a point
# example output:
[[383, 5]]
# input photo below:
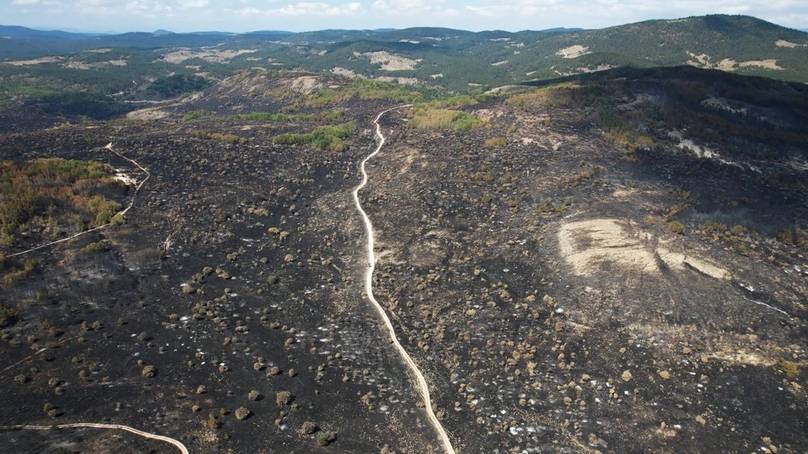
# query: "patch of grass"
[[790, 368], [561, 94], [676, 227], [323, 137], [328, 115], [274, 117], [195, 115], [362, 89], [454, 120], [52, 192], [96, 247], [622, 133], [219, 137], [496, 142]]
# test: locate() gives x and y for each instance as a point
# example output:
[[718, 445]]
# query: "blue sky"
[[294, 15]]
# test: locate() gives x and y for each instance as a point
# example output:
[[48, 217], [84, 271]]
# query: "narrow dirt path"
[[423, 387], [88, 425]]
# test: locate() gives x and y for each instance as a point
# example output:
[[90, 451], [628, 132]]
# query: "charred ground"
[[612, 263]]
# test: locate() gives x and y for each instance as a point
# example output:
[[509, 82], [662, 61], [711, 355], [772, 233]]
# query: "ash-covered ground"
[[561, 290]]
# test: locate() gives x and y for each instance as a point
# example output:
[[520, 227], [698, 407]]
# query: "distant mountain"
[[16, 32], [455, 59]]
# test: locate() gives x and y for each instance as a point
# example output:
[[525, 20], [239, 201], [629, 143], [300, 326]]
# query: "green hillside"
[[128, 64]]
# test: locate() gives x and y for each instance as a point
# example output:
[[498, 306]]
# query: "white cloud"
[[301, 9], [192, 4], [410, 8], [149, 8]]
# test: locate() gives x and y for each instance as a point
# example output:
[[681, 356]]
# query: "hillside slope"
[[613, 262], [454, 59]]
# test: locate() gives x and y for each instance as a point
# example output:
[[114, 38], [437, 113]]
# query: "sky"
[[295, 15]]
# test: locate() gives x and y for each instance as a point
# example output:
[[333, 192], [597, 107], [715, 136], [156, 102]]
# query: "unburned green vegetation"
[[563, 94], [178, 84], [281, 117], [91, 105], [52, 195], [361, 89], [96, 247], [455, 120], [451, 102], [195, 115], [329, 137]]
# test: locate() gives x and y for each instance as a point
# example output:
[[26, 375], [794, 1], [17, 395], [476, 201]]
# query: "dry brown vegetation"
[[49, 193], [496, 142]]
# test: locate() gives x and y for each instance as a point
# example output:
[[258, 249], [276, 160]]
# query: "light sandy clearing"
[[769, 63], [573, 51], [345, 72], [148, 114], [585, 70], [73, 64], [594, 244], [214, 56], [35, 61], [391, 62], [705, 61], [305, 84], [788, 44], [399, 80], [728, 64]]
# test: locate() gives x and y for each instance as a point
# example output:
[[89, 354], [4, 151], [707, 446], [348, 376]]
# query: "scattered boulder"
[[149, 371], [283, 398], [626, 376], [308, 428], [242, 413]]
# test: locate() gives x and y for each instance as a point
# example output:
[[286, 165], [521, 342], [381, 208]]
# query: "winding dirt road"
[[89, 425], [423, 387]]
